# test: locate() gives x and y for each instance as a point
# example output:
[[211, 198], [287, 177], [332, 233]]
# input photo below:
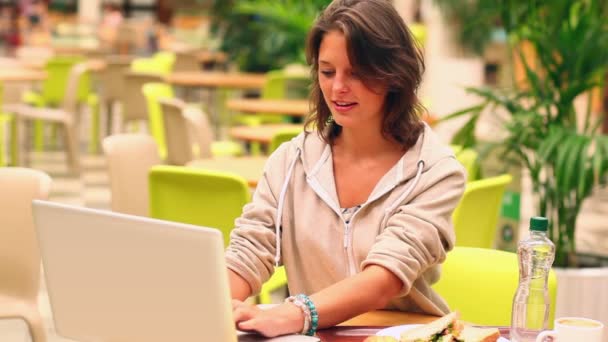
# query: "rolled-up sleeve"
[[253, 241], [420, 233]]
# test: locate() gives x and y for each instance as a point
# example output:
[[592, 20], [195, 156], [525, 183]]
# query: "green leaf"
[[547, 147], [465, 136], [573, 159], [469, 110]]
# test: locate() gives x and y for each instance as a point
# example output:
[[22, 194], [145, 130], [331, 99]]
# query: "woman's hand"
[[280, 320]]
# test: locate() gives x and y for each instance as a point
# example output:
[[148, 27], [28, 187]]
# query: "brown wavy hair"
[[383, 51]]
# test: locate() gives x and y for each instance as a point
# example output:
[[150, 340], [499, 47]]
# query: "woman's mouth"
[[343, 106]]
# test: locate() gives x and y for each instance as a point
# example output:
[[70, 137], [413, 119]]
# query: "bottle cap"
[[539, 223]]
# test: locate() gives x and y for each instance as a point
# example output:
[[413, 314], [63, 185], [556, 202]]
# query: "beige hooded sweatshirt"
[[404, 226]]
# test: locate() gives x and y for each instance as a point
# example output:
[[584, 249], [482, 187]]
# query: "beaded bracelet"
[[300, 304], [314, 315]]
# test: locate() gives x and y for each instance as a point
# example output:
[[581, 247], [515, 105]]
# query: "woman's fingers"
[[236, 303], [243, 311]]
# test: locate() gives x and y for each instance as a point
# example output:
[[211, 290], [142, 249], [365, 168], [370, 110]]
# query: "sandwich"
[[444, 329], [449, 329], [474, 334]]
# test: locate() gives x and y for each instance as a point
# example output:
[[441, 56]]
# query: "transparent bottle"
[[531, 302]]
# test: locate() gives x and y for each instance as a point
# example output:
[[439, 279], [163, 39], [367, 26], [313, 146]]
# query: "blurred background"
[[517, 88]]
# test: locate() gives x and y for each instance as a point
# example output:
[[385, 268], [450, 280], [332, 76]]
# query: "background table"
[[250, 168], [261, 134], [21, 75], [296, 108], [216, 79]]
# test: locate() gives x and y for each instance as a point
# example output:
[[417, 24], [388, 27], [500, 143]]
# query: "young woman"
[[359, 209]]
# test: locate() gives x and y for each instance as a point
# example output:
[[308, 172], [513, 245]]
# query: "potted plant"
[[564, 152], [261, 35]]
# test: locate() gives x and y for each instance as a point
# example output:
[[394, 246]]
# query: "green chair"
[[480, 284], [469, 159], [154, 92], [197, 196], [205, 198], [283, 136], [476, 216], [53, 90], [160, 63]]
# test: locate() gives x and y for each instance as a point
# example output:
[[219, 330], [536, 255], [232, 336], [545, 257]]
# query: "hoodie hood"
[[428, 148], [315, 156]]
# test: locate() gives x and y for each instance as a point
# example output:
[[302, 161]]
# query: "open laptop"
[[113, 277]]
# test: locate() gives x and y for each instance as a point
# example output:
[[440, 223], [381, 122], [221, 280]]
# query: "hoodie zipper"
[[348, 242]]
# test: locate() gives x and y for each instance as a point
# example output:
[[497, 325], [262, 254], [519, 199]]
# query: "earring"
[[330, 120]]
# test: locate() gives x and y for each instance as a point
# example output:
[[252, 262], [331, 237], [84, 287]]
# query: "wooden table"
[[297, 108], [21, 75], [261, 134], [216, 79], [250, 168]]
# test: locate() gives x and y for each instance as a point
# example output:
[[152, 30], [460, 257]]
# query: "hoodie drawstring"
[[407, 191], [278, 218]]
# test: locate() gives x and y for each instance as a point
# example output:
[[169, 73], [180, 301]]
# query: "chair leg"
[[35, 325], [93, 104], [71, 145], [4, 120], [38, 135], [15, 142], [109, 116]]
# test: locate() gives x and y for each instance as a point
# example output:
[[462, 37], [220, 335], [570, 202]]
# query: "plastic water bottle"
[[531, 302]]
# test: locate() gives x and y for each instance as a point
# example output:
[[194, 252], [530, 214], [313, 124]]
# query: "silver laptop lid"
[[113, 277]]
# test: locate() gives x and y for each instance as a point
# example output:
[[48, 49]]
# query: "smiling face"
[[351, 102]]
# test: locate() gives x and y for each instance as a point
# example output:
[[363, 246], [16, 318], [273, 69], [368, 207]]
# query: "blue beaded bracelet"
[[314, 315]]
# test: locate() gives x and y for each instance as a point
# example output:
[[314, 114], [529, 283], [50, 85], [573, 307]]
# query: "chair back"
[[286, 85], [19, 253], [283, 85], [197, 196], [112, 78], [480, 284], [188, 133], [160, 63], [280, 84], [177, 135], [468, 157], [129, 157], [75, 78], [164, 61], [133, 101], [153, 92], [476, 216], [282, 136], [54, 87], [187, 61]]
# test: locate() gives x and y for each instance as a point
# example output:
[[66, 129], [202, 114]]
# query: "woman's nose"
[[340, 84]]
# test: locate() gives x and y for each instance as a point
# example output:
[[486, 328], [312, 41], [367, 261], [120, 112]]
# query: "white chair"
[[129, 157], [19, 253], [188, 134]]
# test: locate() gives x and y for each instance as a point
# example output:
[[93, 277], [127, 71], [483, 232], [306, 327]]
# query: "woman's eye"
[[327, 72], [355, 75]]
